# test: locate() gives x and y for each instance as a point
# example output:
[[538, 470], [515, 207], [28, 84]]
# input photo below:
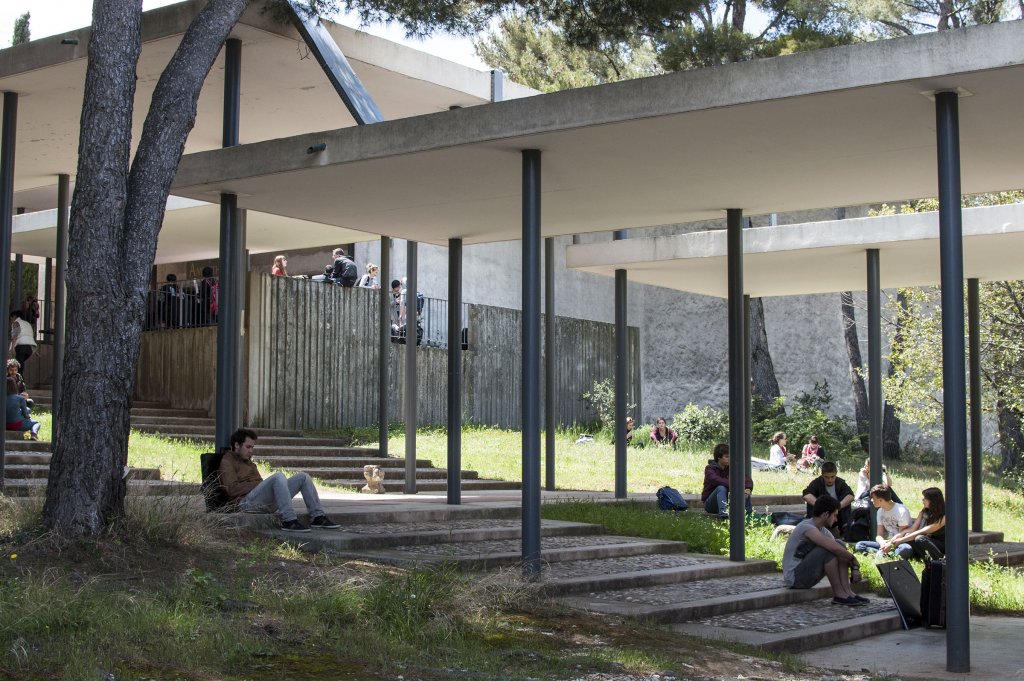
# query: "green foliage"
[[894, 18], [807, 416], [701, 425], [601, 398], [22, 33]]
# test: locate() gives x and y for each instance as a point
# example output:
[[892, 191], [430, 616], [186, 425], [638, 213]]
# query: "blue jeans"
[[718, 502], [904, 551], [276, 492]]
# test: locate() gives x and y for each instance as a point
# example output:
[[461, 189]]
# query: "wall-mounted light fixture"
[[69, 41], [316, 148]]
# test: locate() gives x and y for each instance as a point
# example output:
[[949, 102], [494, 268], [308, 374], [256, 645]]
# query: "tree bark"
[[739, 14], [857, 387], [116, 215], [764, 384], [891, 424], [1011, 437]]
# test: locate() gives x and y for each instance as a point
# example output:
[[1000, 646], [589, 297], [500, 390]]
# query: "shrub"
[[701, 424], [806, 417], [601, 398]]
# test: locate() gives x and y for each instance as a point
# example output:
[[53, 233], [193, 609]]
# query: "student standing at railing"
[[370, 280], [280, 268]]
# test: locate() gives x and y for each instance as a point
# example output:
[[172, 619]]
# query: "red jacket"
[[715, 476]]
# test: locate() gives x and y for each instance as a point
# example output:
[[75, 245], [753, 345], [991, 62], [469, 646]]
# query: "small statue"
[[374, 480]]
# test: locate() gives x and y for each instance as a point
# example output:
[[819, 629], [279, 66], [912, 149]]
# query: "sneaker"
[[322, 522], [852, 600], [293, 526]]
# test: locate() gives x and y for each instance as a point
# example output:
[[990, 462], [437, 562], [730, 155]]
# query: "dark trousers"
[[22, 353]]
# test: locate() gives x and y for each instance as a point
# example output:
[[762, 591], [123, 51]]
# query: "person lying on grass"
[[244, 485], [812, 552]]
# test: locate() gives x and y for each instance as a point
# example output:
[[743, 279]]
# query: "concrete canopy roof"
[[284, 90], [816, 257], [834, 127]]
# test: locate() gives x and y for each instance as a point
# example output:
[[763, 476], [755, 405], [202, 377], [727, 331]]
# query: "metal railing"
[[182, 305]]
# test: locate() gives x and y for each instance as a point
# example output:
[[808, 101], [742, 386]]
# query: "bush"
[[806, 417], [701, 425], [601, 398]]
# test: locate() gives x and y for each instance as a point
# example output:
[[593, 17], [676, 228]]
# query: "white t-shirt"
[[890, 522], [776, 457], [22, 333]]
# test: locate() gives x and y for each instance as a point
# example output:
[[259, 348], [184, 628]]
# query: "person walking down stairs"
[[244, 485]]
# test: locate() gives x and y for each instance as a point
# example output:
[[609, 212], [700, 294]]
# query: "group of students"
[[661, 435]]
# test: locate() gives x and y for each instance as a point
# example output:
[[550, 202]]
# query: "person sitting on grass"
[[893, 518], [829, 483], [812, 553], [715, 494], [662, 435], [812, 456], [779, 457], [244, 485], [18, 413], [926, 538]]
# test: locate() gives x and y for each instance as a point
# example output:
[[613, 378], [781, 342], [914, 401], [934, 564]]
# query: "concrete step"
[[36, 487], [1008, 554], [31, 458], [165, 419], [301, 463], [18, 446], [430, 485], [799, 626], [575, 577], [15, 436], [23, 471], [493, 553], [685, 601], [201, 433], [297, 446], [986, 537], [391, 474], [167, 411], [374, 536]]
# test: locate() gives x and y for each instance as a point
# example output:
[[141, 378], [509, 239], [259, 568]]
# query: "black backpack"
[[669, 499], [345, 272], [216, 498]]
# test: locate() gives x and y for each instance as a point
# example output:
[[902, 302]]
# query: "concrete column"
[[954, 404], [411, 322], [531, 362], [455, 371], [737, 389]]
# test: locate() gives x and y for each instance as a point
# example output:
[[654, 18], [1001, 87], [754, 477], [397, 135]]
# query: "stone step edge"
[[799, 640], [566, 586]]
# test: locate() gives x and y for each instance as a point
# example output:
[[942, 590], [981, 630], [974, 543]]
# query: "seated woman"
[[926, 538], [663, 436], [18, 413], [778, 456], [812, 456], [13, 369]]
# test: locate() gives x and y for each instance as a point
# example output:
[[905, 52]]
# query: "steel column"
[[8, 136], [47, 294], [748, 445], [531, 362], [954, 403], [974, 359], [874, 365], [454, 371], [231, 246], [19, 274], [411, 325], [549, 363], [384, 345], [737, 412], [620, 377], [60, 291]]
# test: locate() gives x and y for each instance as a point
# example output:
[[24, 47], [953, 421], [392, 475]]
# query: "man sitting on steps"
[[243, 484], [812, 552]]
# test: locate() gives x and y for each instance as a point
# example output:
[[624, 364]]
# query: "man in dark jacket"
[[344, 271], [243, 484], [829, 483], [716, 484]]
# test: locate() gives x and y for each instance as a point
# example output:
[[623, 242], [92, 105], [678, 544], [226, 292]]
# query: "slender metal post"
[[46, 322], [60, 293], [384, 345], [954, 403], [874, 365], [737, 412], [531, 362], [19, 275], [411, 335], [549, 363], [455, 371], [229, 298], [620, 377], [8, 136], [748, 445], [974, 355]]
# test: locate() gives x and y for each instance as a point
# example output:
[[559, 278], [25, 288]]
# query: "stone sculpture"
[[374, 480]]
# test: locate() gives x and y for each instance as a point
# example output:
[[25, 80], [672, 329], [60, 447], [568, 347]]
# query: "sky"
[[52, 17]]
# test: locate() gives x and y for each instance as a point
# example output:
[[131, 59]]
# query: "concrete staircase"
[[330, 460]]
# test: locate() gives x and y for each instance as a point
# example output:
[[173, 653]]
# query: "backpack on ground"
[[345, 272], [669, 499], [216, 498], [787, 518]]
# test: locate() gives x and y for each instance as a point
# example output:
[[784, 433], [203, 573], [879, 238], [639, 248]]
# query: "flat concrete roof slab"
[[837, 127], [816, 257]]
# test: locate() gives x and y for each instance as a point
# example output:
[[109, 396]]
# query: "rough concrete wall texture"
[[683, 336]]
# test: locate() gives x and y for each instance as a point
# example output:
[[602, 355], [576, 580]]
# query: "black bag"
[[787, 518], [933, 594], [216, 498], [669, 499], [345, 272]]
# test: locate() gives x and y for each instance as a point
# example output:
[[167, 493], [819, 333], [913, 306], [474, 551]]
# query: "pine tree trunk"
[[116, 215], [857, 387], [891, 425], [1011, 437], [765, 386]]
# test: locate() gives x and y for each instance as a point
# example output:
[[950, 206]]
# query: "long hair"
[[936, 504], [279, 262]]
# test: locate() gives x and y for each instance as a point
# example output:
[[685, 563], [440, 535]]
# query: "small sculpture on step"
[[374, 480]]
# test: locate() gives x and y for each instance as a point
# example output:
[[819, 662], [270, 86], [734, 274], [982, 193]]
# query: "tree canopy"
[[22, 34]]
